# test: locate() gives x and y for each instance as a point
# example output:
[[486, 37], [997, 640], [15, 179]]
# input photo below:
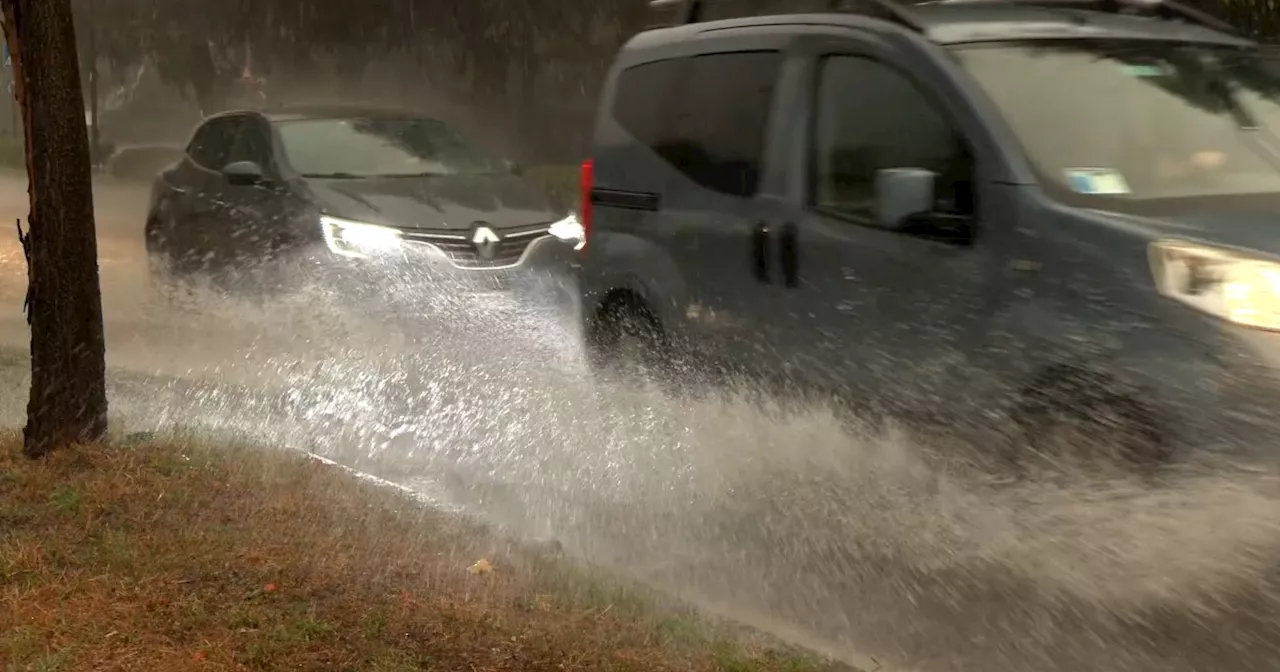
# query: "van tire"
[[1069, 418], [164, 282], [624, 338]]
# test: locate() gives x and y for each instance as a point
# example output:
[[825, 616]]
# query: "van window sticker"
[[1146, 69], [1097, 181]]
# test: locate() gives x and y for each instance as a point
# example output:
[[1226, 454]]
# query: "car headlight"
[[1238, 288], [569, 230], [358, 239]]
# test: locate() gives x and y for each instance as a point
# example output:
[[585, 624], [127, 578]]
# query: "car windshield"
[[380, 147], [1107, 123]]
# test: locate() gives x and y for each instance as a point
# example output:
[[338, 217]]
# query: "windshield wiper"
[[334, 176]]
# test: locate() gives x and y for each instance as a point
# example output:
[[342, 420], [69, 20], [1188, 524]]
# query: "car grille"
[[457, 245]]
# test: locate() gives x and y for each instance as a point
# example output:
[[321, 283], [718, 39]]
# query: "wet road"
[[856, 545]]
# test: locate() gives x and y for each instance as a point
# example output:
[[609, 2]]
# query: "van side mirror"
[[903, 194], [243, 174]]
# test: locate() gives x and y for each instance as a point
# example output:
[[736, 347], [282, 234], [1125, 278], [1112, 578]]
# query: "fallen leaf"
[[482, 566], [270, 588]]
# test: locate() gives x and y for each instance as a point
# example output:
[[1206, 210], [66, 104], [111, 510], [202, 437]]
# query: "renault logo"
[[485, 241]]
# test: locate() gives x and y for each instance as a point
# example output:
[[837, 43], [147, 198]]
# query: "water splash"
[[859, 541]]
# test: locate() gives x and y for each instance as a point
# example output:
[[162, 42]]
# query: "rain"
[[863, 539]]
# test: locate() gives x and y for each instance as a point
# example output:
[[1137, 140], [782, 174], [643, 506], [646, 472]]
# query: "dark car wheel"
[[160, 271], [625, 340], [167, 286], [1071, 421]]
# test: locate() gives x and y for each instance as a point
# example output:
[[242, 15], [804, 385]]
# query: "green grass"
[[174, 555]]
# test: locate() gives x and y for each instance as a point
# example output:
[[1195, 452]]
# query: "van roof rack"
[[1162, 9], [690, 11]]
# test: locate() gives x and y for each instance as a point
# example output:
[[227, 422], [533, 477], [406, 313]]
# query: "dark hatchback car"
[[262, 201]]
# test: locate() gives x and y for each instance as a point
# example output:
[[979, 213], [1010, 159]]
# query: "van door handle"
[[760, 252], [789, 255]]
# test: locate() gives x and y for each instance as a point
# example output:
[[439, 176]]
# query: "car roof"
[[965, 22], [302, 112], [957, 22]]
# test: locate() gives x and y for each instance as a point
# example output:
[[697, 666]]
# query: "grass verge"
[[174, 556]]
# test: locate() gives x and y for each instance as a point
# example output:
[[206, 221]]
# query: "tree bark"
[[68, 401]]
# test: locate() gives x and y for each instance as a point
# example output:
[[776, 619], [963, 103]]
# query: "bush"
[[136, 163], [142, 162], [12, 153], [561, 183]]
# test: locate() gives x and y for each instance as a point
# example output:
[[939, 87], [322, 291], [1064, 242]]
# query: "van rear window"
[[706, 115], [643, 101]]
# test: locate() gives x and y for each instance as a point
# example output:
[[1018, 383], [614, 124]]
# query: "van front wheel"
[[1069, 421], [625, 338]]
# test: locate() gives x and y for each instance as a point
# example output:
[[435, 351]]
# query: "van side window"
[[706, 115], [722, 118], [643, 102], [869, 117]]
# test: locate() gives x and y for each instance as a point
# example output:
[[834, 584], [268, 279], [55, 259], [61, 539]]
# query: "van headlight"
[[1238, 288], [358, 239], [569, 230]]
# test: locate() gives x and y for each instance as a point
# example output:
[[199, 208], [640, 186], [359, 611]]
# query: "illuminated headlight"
[[1237, 288], [569, 230], [358, 239]]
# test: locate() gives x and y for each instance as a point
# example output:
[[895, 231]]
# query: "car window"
[[380, 147], [705, 115], [869, 117], [252, 144], [211, 144]]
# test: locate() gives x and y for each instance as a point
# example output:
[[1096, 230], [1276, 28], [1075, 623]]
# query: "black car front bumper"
[[541, 272]]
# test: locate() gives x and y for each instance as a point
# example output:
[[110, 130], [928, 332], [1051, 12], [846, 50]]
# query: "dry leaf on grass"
[[382, 598]]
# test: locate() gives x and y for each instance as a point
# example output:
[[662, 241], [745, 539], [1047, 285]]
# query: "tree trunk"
[[68, 370]]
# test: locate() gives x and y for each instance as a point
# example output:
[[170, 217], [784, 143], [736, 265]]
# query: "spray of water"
[[856, 541]]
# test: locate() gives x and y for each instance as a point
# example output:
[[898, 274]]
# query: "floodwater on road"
[[857, 544]]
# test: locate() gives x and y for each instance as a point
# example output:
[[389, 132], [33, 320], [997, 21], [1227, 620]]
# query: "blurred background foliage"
[[523, 75]]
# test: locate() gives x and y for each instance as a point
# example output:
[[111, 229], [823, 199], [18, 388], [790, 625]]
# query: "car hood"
[[1256, 232], [435, 202]]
